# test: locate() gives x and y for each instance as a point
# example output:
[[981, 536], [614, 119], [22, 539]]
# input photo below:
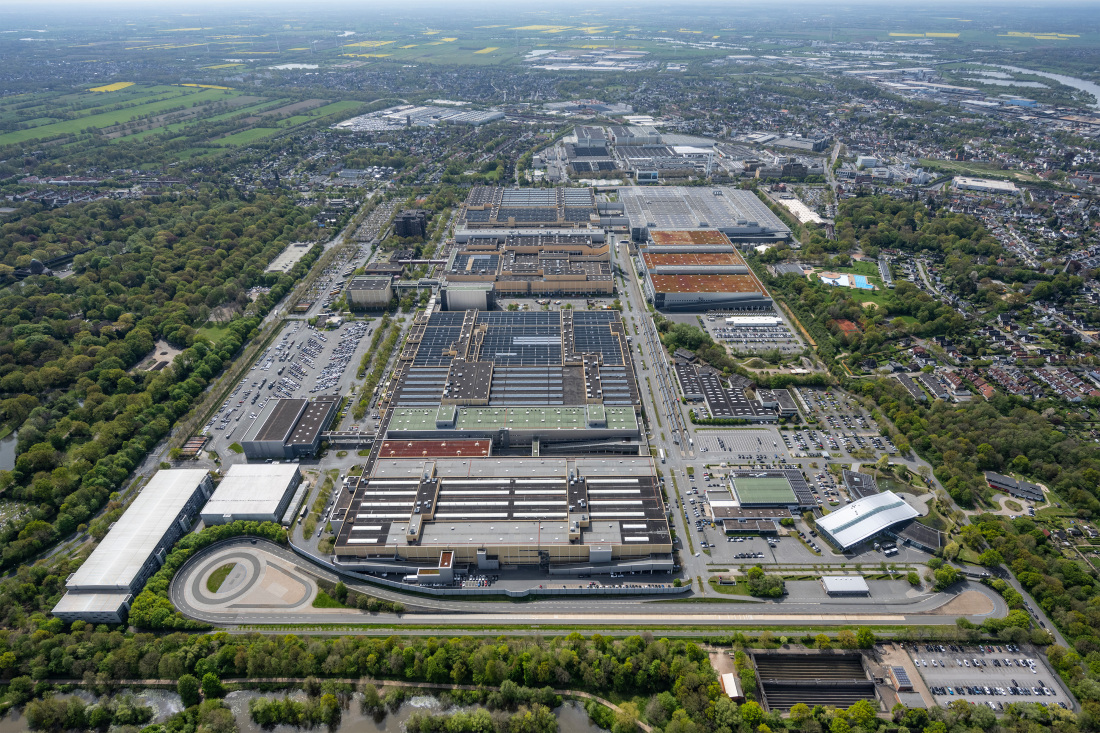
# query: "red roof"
[[435, 448]]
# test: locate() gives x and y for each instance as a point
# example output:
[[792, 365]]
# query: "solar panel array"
[[527, 385]]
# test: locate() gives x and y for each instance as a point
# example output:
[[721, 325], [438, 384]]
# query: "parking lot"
[[992, 675], [754, 338], [302, 362], [728, 444]]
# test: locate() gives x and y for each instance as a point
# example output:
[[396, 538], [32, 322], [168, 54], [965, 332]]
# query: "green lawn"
[[214, 582], [741, 588], [215, 332], [324, 600], [236, 448]]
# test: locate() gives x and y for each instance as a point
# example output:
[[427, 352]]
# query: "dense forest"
[[70, 347]]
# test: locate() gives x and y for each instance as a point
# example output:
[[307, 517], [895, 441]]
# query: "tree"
[[188, 689], [865, 638], [212, 686], [340, 592], [846, 639]]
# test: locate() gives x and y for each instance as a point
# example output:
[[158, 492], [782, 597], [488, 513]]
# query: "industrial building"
[[411, 223], [722, 400], [564, 515], [738, 214], [1014, 487], [491, 264], [865, 518], [369, 293], [815, 144], [289, 428], [490, 207], [845, 585], [779, 400], [101, 590], [252, 493], [833, 678], [771, 488], [985, 185], [859, 485], [700, 269]]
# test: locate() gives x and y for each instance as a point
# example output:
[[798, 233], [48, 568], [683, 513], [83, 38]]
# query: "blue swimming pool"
[[862, 283]]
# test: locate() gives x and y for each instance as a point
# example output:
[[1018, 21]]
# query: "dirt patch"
[[721, 662], [292, 109], [967, 603], [870, 303], [159, 358]]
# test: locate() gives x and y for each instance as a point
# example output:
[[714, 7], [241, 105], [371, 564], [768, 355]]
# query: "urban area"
[[710, 370]]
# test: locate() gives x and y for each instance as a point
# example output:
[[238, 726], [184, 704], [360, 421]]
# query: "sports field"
[[764, 491]]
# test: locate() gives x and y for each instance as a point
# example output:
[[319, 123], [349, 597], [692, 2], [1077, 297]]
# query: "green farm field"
[[106, 119]]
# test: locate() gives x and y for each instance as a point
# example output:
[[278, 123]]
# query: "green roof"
[[516, 418], [769, 491]]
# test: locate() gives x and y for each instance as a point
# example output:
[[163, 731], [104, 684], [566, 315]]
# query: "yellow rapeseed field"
[[113, 87]]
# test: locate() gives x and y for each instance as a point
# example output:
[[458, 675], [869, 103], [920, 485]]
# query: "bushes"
[[55, 714], [323, 710], [763, 585]]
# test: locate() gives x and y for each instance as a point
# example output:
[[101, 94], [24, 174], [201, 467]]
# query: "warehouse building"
[[738, 214], [252, 493], [865, 518], [699, 269], [563, 515], [845, 585], [101, 590], [369, 293], [289, 428]]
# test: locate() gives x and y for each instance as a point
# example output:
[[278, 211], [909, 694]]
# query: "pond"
[[7, 451], [571, 716]]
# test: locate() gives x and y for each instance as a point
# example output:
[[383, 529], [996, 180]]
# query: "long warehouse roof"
[[119, 557], [865, 518]]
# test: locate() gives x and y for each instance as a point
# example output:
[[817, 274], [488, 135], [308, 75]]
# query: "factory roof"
[[434, 448], [865, 518], [678, 207], [281, 420], [844, 584], [119, 557], [313, 420], [88, 603], [369, 283], [689, 237], [252, 488], [706, 284], [683, 259]]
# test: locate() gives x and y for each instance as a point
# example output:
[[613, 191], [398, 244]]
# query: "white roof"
[[91, 602], [865, 518], [250, 489], [845, 584], [115, 563]]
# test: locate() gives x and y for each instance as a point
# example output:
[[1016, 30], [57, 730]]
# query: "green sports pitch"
[[768, 491]]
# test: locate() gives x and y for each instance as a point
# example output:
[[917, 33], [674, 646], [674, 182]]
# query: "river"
[[1069, 81], [571, 715]]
